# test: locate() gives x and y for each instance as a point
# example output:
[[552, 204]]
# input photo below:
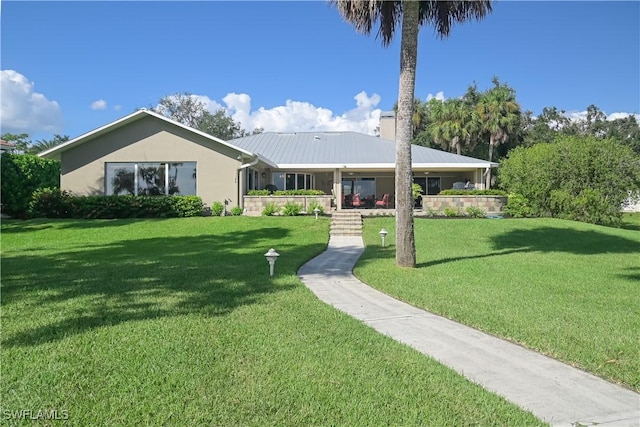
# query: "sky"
[[70, 67]]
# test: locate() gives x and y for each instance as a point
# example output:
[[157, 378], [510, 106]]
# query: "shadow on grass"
[[142, 279], [21, 226], [544, 239]]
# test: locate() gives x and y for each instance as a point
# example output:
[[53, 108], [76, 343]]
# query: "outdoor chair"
[[384, 202], [356, 202]]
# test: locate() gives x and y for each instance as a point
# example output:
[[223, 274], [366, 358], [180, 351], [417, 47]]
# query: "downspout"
[[253, 162]]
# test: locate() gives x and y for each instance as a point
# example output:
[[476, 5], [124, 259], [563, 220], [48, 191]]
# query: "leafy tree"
[[581, 178], [189, 110], [499, 115], [442, 15]]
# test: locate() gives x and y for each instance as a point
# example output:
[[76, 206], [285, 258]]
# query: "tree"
[[452, 123], [499, 115], [582, 178], [46, 144], [363, 14], [191, 111]]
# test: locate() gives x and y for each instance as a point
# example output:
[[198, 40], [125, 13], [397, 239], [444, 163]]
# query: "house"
[[145, 153], [6, 146]]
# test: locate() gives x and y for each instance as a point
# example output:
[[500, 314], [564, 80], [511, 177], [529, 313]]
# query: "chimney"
[[388, 125]]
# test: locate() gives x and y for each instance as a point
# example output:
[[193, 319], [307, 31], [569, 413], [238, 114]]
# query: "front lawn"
[[567, 289], [176, 322]]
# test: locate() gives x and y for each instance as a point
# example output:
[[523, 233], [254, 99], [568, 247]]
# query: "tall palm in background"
[[452, 123], [499, 115], [363, 14]]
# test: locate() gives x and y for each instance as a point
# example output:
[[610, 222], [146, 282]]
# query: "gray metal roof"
[[327, 149]]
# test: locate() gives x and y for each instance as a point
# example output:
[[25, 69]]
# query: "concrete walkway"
[[551, 390]]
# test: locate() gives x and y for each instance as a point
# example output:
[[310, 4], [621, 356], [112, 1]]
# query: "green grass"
[[176, 322], [566, 289], [631, 221]]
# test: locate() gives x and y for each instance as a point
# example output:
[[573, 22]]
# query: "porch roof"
[[315, 150]]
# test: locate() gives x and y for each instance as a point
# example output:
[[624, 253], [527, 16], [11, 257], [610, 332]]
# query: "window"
[[150, 179], [251, 179], [293, 181]]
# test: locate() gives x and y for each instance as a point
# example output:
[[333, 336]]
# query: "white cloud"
[[100, 104], [297, 116], [615, 116], [439, 96], [582, 115], [26, 111], [117, 107]]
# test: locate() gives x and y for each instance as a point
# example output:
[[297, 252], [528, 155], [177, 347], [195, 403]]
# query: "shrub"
[[270, 210], [313, 205], [475, 212], [50, 203], [291, 209], [20, 176], [53, 203], [459, 192], [236, 211], [299, 193], [217, 208], [258, 193], [578, 177], [452, 212], [518, 206]]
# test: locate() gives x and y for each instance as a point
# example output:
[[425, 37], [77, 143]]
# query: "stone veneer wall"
[[254, 205], [486, 203]]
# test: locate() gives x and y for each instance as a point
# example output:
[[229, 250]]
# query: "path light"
[[316, 211], [272, 257], [383, 233]]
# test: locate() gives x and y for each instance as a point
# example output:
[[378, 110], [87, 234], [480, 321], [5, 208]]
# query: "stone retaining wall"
[[254, 205], [488, 204]]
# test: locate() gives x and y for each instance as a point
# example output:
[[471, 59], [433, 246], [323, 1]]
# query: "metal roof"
[[338, 149]]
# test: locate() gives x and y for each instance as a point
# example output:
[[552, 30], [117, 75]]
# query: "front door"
[[433, 186]]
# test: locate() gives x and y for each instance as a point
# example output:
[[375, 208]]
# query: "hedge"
[[452, 192], [286, 193], [53, 203], [21, 175]]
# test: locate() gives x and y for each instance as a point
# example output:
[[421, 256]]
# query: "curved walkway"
[[553, 391]]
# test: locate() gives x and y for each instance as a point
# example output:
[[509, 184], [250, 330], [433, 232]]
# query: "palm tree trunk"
[[405, 240]]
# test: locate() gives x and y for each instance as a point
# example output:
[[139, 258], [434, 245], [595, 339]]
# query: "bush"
[[270, 210], [452, 212], [475, 212], [315, 205], [20, 176], [236, 211], [258, 193], [53, 203], [291, 209], [298, 193], [458, 192], [217, 208], [518, 206], [580, 178]]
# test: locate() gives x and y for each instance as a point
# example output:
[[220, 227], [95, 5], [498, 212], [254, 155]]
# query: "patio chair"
[[356, 202], [384, 202]]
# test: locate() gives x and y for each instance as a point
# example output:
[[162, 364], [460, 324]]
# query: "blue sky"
[[69, 67]]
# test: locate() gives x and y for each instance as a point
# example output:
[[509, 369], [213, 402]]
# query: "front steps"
[[346, 223]]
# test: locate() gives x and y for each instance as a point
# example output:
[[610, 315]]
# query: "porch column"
[[337, 187]]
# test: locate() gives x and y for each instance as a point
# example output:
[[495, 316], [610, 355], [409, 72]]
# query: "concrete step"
[[346, 224]]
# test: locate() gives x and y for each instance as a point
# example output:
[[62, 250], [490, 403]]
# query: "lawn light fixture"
[[383, 233], [272, 257], [316, 211]]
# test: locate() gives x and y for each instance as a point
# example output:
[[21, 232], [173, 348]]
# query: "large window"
[[151, 179], [251, 179], [293, 181]]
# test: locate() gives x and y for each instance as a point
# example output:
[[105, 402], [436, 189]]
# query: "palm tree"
[[452, 124], [499, 115], [363, 14]]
